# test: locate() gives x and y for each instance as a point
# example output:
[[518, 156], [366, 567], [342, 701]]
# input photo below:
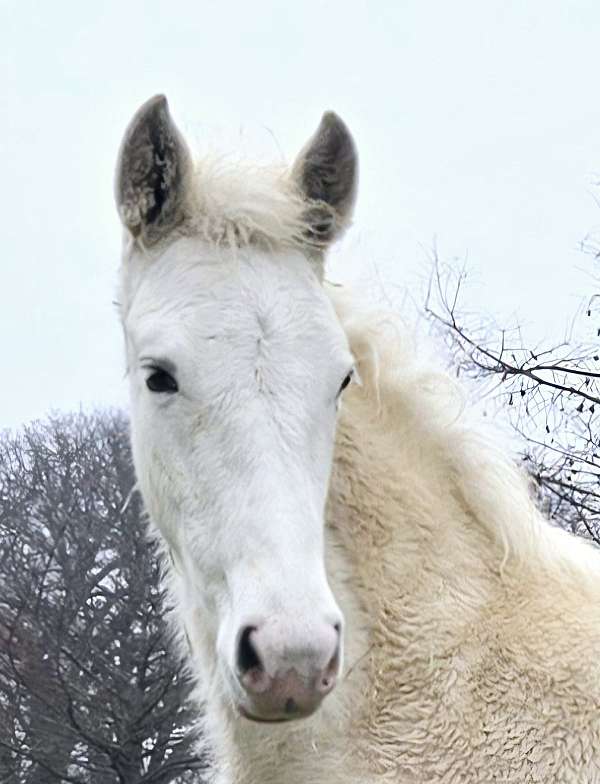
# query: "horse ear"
[[152, 173], [326, 171]]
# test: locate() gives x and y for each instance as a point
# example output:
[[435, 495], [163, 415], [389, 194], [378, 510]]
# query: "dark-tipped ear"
[[152, 173], [326, 172]]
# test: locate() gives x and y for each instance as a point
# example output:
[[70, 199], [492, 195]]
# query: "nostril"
[[338, 628], [326, 685], [329, 675], [251, 672], [332, 667], [247, 656]]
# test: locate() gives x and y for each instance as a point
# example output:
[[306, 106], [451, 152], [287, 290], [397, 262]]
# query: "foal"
[[298, 525]]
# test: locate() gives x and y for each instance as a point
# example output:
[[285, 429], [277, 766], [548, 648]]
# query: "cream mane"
[[415, 400]]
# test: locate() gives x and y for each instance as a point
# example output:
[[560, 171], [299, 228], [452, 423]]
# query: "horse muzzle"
[[280, 681]]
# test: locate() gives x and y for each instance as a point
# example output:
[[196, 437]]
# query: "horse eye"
[[161, 381], [346, 381]]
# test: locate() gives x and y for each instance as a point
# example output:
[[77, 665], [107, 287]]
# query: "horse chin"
[[257, 719]]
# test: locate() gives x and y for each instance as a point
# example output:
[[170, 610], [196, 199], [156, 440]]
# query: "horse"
[[368, 591]]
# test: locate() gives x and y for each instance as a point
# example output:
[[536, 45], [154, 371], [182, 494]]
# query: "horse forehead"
[[253, 294]]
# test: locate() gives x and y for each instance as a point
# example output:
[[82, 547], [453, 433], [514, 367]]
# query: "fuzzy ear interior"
[[326, 171], [152, 173]]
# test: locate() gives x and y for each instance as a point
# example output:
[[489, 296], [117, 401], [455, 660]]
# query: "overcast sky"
[[477, 123]]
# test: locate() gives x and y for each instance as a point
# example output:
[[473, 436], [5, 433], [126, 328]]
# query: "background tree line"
[[92, 688]]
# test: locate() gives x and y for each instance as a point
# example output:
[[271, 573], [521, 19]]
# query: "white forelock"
[[241, 204]]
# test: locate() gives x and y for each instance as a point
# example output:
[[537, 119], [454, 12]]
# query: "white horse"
[[298, 525]]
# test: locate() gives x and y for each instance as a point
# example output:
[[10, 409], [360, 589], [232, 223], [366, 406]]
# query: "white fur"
[[472, 627]]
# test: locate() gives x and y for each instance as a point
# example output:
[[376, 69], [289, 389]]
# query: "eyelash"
[[345, 382]]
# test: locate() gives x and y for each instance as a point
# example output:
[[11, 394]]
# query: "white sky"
[[477, 123]]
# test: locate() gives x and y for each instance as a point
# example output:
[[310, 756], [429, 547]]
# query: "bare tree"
[[552, 396], [91, 686]]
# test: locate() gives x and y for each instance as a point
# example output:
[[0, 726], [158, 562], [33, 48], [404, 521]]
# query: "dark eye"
[[161, 381], [346, 381]]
